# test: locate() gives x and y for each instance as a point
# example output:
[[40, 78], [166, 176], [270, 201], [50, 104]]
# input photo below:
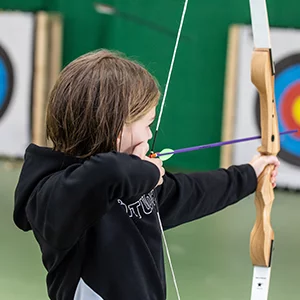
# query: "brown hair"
[[92, 100]]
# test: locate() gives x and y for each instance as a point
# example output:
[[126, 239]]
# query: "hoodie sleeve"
[[183, 198], [65, 204]]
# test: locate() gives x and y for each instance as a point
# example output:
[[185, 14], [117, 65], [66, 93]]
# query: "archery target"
[[245, 116], [16, 68]]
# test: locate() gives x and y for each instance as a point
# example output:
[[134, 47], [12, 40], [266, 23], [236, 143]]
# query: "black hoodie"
[[96, 220]]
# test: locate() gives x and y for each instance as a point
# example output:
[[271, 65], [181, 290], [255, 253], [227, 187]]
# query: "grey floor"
[[210, 256]]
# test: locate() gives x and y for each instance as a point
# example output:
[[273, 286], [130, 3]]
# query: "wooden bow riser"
[[262, 235]]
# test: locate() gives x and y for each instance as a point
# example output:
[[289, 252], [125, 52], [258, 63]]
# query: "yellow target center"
[[296, 110]]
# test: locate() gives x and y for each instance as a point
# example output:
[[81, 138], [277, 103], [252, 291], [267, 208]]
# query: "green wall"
[[193, 109]]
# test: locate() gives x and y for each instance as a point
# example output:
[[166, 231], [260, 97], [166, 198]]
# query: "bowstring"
[[170, 73], [156, 132]]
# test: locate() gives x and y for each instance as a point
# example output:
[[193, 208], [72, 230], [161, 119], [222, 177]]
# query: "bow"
[[262, 76]]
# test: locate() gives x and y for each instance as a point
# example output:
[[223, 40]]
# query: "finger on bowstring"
[[157, 161], [160, 162]]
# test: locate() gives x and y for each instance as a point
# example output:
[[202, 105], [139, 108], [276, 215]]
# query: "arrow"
[[167, 153]]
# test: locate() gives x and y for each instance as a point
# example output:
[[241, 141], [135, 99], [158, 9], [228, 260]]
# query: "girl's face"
[[137, 132]]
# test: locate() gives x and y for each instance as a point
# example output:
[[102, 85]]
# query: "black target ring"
[[6, 81]]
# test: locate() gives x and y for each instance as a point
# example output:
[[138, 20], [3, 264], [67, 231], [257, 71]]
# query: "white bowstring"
[[172, 64], [157, 127], [169, 257]]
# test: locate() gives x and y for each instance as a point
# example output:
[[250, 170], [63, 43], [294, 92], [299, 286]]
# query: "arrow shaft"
[[189, 149]]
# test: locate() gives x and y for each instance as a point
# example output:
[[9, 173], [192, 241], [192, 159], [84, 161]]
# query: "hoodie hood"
[[39, 163]]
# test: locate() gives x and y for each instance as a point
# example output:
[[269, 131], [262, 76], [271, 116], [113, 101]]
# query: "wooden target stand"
[[46, 67], [230, 94]]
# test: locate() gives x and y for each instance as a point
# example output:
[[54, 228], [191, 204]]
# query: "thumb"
[[271, 160], [259, 163]]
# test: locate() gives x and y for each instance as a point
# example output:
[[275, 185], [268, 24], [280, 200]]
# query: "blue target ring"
[[287, 96], [287, 90], [6, 81]]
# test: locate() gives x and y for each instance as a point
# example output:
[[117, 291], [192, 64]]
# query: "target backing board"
[[16, 67], [241, 105], [30, 60]]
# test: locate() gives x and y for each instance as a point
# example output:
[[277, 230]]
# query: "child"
[[92, 200]]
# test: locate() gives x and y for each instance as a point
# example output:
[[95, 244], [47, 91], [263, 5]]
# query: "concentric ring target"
[[287, 95], [6, 81]]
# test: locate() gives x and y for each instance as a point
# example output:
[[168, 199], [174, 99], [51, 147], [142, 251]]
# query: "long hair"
[[92, 100]]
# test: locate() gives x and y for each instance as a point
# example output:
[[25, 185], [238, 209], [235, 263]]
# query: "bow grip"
[[262, 234]]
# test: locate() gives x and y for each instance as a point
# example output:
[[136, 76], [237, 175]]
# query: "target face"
[[287, 95], [6, 81]]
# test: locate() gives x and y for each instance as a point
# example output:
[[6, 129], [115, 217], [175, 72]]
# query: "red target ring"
[[289, 108]]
